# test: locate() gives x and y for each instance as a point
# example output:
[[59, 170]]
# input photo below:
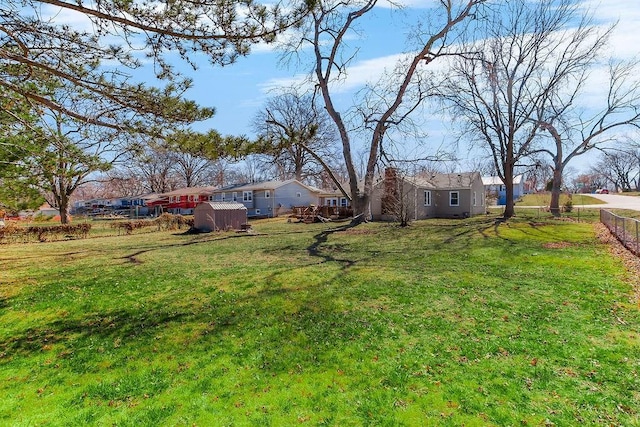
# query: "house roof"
[[265, 185], [443, 181], [225, 206], [190, 190], [455, 180]]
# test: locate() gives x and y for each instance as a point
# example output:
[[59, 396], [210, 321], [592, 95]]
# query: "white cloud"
[[358, 75], [625, 40]]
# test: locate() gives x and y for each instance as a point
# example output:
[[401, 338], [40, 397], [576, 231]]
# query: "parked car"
[[602, 191]]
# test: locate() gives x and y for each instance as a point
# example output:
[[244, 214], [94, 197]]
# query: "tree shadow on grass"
[[320, 239], [482, 228], [223, 323], [133, 258]]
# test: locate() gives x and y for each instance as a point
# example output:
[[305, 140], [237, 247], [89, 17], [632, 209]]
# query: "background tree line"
[[514, 75]]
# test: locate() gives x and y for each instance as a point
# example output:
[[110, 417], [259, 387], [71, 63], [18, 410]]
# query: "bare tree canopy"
[[296, 137], [328, 32], [528, 53], [620, 165], [110, 38], [574, 131]]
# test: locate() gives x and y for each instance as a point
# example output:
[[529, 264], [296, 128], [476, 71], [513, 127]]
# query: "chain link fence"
[[627, 230]]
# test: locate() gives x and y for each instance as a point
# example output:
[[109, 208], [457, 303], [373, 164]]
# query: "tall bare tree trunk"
[[64, 209], [508, 166], [556, 189]]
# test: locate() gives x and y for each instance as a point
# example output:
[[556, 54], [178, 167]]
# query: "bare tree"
[[193, 170], [530, 51], [120, 183], [621, 166], [297, 138], [397, 197], [155, 168], [389, 103], [575, 133]]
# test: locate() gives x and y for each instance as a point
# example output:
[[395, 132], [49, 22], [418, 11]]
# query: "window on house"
[[267, 194], [223, 196], [427, 197], [211, 198], [234, 196], [343, 202], [454, 198], [475, 201], [298, 194], [247, 196]]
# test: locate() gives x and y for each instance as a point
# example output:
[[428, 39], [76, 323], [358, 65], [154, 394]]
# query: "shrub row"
[[165, 221], [12, 231]]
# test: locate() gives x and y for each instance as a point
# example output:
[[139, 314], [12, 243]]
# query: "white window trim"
[[475, 199], [234, 195], [427, 197], [267, 194], [247, 196], [457, 193]]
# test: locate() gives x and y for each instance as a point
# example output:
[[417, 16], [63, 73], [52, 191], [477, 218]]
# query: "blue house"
[[495, 188]]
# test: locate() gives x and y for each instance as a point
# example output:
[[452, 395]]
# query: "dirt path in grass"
[[631, 262]]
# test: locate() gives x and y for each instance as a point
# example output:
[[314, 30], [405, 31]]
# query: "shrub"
[[167, 221], [43, 233], [568, 205], [129, 226], [10, 229]]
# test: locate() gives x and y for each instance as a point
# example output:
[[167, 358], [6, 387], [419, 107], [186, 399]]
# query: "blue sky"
[[239, 91]]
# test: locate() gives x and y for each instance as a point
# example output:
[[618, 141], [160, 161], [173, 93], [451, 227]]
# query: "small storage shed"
[[213, 216]]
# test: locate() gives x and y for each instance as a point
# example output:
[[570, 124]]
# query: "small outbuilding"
[[215, 216]]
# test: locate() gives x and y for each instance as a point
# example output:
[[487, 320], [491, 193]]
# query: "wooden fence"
[[626, 230]]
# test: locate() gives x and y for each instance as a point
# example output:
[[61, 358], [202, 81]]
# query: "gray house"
[[455, 195], [269, 198]]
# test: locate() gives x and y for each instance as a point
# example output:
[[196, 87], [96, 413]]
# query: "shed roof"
[[221, 206]]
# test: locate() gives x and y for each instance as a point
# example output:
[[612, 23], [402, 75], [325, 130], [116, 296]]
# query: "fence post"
[[637, 239]]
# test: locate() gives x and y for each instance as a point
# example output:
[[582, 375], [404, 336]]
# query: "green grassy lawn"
[[543, 199], [472, 322]]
